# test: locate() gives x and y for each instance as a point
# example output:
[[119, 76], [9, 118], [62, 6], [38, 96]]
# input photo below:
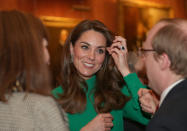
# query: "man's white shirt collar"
[[167, 90]]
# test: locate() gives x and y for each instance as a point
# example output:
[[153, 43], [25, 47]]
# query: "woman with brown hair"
[[96, 83], [25, 98]]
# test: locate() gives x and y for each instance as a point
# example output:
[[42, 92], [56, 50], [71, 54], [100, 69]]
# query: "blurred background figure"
[[136, 64], [25, 99]]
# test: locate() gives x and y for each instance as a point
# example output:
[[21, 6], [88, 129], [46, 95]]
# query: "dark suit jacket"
[[172, 114]]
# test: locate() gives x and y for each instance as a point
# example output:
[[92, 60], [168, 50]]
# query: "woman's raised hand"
[[118, 50]]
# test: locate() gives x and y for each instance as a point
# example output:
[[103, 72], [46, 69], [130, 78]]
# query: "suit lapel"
[[177, 89]]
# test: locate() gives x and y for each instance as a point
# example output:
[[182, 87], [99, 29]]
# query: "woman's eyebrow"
[[85, 43], [101, 47]]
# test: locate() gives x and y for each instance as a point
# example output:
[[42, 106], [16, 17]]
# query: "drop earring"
[[72, 58]]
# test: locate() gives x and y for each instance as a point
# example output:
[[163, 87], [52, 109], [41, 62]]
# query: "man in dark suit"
[[165, 56]]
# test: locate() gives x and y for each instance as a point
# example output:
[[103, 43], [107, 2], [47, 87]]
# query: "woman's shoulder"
[[36, 98], [31, 98], [41, 112], [40, 105]]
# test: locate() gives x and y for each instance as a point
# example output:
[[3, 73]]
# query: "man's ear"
[[164, 61]]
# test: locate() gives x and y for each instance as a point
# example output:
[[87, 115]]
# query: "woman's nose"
[[91, 55]]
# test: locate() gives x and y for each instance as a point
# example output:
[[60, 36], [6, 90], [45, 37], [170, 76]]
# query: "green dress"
[[131, 110]]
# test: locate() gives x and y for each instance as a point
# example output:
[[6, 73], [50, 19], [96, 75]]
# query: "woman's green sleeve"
[[132, 109], [57, 92]]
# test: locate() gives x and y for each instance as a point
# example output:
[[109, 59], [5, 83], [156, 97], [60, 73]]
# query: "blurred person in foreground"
[[25, 99]]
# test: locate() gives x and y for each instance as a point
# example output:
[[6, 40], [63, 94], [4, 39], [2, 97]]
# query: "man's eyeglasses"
[[143, 51]]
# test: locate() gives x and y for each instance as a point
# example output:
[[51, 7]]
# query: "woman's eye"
[[84, 47], [101, 51]]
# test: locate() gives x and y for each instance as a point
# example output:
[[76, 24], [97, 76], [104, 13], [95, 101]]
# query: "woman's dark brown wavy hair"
[[107, 94], [21, 54]]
